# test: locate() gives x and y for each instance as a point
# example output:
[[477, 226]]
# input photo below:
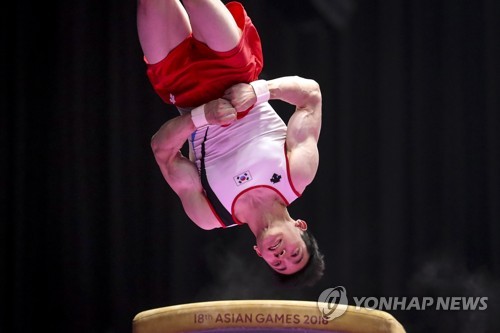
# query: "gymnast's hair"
[[312, 272]]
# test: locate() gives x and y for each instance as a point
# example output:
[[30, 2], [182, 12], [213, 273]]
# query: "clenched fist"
[[241, 96], [220, 112]]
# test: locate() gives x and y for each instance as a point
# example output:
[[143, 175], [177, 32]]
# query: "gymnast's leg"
[[213, 24], [161, 25]]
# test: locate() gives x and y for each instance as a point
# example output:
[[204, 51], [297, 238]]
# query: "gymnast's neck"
[[261, 208]]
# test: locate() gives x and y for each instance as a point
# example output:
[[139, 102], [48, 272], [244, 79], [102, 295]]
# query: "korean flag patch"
[[242, 178]]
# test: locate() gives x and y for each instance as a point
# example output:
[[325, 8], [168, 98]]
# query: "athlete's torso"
[[248, 154]]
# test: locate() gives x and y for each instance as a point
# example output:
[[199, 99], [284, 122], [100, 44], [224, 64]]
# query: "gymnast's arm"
[[181, 173], [304, 125]]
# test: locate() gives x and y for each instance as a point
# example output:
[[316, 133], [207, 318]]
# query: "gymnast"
[[245, 165]]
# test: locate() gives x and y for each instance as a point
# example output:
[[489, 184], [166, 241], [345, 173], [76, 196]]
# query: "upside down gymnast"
[[245, 165]]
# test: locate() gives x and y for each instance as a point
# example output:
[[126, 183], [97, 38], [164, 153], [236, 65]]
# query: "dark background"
[[406, 201]]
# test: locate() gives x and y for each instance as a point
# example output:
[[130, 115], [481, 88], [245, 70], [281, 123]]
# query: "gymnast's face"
[[283, 248]]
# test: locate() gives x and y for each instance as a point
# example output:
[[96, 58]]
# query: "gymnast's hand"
[[241, 96], [220, 112]]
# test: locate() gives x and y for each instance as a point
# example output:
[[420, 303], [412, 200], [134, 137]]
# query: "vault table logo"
[[332, 302]]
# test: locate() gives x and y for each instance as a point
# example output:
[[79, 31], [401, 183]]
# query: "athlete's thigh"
[[213, 24], [161, 26]]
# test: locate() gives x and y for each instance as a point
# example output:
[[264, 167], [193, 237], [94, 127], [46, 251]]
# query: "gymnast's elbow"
[[155, 143], [314, 92]]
